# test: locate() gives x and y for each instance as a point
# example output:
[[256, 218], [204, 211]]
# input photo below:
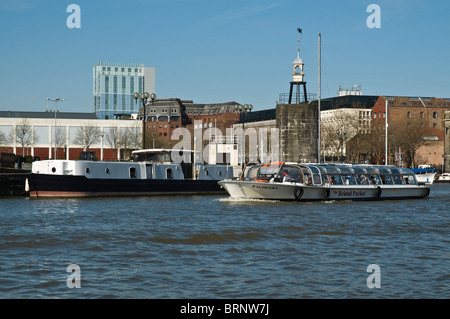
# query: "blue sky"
[[219, 51]]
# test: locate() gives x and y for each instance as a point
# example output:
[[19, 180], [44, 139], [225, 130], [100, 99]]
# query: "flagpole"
[[318, 102], [386, 137]]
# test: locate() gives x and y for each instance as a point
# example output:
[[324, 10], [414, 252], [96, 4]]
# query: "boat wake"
[[245, 200]]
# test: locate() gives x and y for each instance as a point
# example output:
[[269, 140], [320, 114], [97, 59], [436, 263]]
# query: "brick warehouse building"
[[418, 117], [165, 115]]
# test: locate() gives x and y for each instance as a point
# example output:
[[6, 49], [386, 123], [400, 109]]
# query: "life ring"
[[379, 192], [326, 194], [298, 193]]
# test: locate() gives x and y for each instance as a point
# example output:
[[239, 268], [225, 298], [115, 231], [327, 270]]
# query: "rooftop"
[[46, 115]]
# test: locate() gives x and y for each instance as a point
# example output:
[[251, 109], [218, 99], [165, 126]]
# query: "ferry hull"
[[46, 185], [300, 192]]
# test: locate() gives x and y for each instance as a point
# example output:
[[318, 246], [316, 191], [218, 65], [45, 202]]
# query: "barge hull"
[[45, 185]]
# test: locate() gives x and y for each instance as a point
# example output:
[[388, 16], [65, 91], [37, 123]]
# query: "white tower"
[[297, 75]]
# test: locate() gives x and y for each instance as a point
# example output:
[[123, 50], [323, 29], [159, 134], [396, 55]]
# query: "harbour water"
[[215, 247]]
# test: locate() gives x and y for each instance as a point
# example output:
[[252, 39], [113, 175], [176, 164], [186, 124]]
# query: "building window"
[[115, 84], [422, 115], [435, 115], [408, 114], [106, 84], [374, 115]]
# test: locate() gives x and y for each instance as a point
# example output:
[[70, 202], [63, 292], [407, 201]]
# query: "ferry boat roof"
[[344, 168]]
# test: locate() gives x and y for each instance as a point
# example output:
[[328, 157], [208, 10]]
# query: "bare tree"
[[112, 138], [60, 139], [131, 138], [23, 135], [410, 137], [87, 135], [135, 136], [3, 138], [336, 129]]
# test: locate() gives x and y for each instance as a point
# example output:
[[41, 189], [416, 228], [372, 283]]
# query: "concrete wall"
[[298, 125]]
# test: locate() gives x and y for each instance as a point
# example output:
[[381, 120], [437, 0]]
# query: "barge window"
[[169, 173], [387, 180], [132, 172], [362, 179]]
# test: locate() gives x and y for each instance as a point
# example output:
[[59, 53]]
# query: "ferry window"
[[387, 179], [409, 179], [267, 172], [335, 179], [398, 180], [349, 180], [132, 172], [362, 180], [317, 180], [169, 173], [375, 180]]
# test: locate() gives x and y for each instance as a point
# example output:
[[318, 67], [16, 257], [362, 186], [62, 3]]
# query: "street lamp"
[[56, 100], [342, 136], [144, 97], [243, 108]]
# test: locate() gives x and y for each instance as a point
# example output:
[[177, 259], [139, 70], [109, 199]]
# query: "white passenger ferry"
[[308, 182], [153, 172]]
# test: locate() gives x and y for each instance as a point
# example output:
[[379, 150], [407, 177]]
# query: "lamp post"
[[243, 108], [144, 98], [56, 100], [342, 136]]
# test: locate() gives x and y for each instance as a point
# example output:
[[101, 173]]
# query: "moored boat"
[[425, 174], [444, 178], [152, 172], [309, 182]]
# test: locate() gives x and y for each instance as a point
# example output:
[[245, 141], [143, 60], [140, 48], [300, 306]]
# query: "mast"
[[386, 131], [318, 108]]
